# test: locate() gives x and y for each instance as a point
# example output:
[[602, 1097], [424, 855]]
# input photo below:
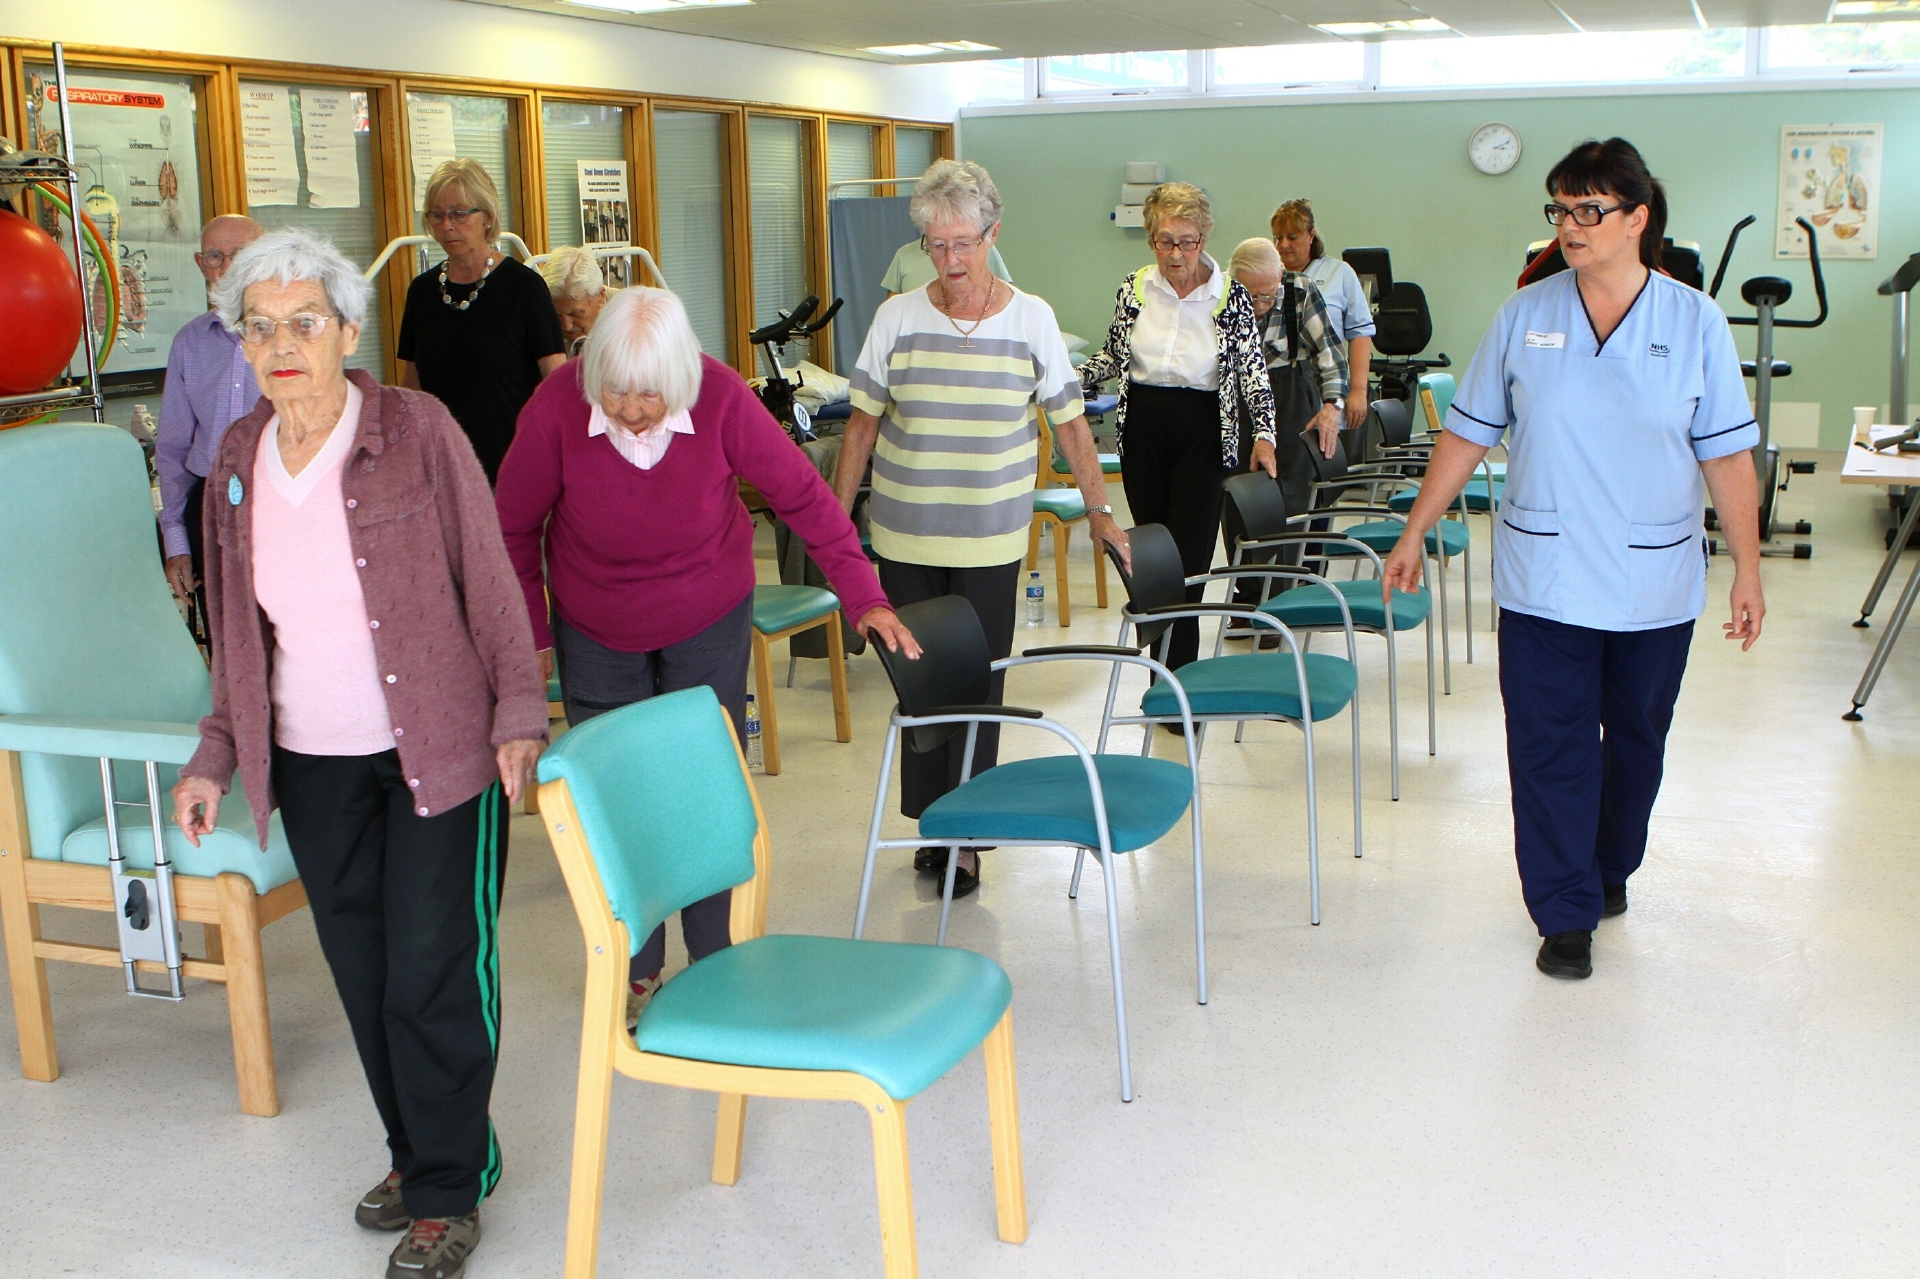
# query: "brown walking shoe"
[[436, 1248], [382, 1208]]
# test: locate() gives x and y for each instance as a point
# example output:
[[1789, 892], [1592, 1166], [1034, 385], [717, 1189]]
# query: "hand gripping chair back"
[[955, 668], [1158, 580]]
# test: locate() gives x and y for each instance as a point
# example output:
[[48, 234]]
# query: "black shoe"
[[1614, 899], [964, 880], [932, 858], [1177, 728], [1239, 628], [1568, 955]]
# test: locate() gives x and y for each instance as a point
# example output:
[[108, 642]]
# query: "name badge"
[[1546, 341]]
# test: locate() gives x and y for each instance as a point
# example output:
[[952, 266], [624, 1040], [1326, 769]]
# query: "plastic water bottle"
[[1036, 600], [756, 755]]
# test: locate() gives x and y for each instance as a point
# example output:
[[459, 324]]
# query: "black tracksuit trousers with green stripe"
[[406, 908]]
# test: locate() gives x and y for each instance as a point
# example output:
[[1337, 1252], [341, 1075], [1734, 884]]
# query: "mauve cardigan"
[[638, 560], [447, 620]]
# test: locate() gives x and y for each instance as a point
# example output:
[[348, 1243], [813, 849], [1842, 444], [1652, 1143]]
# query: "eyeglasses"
[[457, 217], [305, 327], [959, 248], [1265, 299], [218, 258], [1167, 244], [1582, 214]]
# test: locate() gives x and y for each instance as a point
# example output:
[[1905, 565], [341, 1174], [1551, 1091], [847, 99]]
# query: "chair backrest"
[[1159, 577], [1402, 325], [663, 803], [954, 667], [1326, 469], [1436, 397], [1396, 422], [1254, 506], [87, 625]]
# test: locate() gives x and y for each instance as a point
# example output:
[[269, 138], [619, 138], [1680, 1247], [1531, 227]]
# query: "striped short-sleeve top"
[[954, 467]]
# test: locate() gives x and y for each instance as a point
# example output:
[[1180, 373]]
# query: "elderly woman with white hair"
[[946, 395], [374, 678], [621, 483], [1186, 345], [579, 290], [479, 330]]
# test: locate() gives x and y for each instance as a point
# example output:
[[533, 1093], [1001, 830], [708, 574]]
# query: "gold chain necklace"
[[966, 335]]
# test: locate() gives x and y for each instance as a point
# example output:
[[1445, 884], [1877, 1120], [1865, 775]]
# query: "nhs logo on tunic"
[[1659, 350]]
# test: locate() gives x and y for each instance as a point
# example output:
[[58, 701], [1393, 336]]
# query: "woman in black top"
[[479, 331]]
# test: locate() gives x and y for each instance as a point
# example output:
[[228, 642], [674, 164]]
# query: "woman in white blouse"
[[1186, 345], [1348, 314]]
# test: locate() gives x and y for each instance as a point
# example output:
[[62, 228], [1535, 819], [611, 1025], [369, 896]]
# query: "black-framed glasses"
[[218, 258], [457, 217], [307, 326], [1167, 244], [1582, 214]]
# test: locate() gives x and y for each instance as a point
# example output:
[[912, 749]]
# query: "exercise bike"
[[1765, 293], [776, 392]]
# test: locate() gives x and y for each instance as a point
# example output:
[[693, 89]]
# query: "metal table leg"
[[1893, 557], [1884, 648]]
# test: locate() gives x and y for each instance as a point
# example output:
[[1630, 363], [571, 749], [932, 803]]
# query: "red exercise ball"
[[40, 309]]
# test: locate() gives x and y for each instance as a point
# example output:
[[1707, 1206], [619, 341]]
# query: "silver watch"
[[1099, 510]]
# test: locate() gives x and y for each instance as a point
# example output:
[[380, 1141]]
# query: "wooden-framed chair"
[[780, 611], [1060, 505], [101, 690], [651, 808]]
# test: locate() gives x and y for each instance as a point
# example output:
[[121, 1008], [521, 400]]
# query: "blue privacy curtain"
[[865, 235]]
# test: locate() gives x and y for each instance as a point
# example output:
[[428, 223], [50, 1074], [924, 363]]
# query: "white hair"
[[955, 191], [643, 342], [1255, 256], [284, 256], [572, 272]]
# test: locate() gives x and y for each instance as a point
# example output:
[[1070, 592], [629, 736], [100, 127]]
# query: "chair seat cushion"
[[900, 1015], [1110, 464], [1381, 535], [553, 687], [780, 608], [1097, 405], [233, 845], [1311, 604], [1064, 504], [1048, 799], [1476, 494], [1257, 684]]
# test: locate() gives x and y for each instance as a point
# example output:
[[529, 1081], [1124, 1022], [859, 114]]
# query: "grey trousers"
[[596, 679]]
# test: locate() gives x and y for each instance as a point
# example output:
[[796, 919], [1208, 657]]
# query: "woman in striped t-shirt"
[[945, 399]]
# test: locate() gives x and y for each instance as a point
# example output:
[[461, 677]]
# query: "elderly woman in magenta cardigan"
[[621, 479]]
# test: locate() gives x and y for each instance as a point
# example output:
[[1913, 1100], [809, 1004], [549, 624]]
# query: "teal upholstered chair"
[[780, 611], [1057, 504], [650, 809], [1291, 687], [96, 665], [1099, 803], [1254, 507]]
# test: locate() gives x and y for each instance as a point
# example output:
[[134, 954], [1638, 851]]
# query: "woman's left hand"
[[1264, 459], [1104, 529], [516, 761], [883, 626]]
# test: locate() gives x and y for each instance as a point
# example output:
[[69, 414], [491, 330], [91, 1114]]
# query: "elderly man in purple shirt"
[[209, 385]]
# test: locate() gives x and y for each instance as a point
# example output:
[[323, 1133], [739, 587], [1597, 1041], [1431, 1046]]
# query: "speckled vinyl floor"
[[1394, 1092]]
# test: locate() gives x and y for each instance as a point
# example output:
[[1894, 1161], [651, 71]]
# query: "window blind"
[[571, 132], [480, 132], [849, 156], [914, 151], [777, 169], [689, 166], [356, 232]]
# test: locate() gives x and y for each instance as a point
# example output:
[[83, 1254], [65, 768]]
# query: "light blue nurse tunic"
[[1601, 525], [1348, 315]]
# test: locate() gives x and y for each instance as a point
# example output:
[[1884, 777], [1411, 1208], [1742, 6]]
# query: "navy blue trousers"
[[1587, 719]]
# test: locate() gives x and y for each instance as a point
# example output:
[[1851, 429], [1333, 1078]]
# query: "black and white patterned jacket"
[[1241, 364]]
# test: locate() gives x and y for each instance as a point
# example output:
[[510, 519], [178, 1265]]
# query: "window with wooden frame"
[[691, 163], [447, 124], [587, 173], [781, 219]]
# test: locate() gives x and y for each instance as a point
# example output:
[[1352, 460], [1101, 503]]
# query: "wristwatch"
[[1099, 510], [1339, 404]]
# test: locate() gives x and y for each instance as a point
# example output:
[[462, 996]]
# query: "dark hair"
[[1615, 166], [1297, 213]]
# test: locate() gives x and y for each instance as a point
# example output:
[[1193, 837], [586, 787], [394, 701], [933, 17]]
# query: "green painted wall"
[[1396, 173]]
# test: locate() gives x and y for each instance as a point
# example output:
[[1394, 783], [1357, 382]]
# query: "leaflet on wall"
[[605, 215], [327, 129], [1830, 175], [266, 136], [137, 148], [430, 141]]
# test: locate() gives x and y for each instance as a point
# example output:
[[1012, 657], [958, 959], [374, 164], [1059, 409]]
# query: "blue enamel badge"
[[234, 491]]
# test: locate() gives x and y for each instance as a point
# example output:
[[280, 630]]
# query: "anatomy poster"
[[1830, 175], [605, 214], [137, 148]]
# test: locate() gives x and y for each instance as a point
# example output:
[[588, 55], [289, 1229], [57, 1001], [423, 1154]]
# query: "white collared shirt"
[[1175, 341], [646, 448]]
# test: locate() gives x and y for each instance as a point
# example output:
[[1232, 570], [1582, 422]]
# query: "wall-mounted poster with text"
[[606, 217], [1830, 175]]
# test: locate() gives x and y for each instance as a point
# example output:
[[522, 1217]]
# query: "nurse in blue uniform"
[[1618, 392]]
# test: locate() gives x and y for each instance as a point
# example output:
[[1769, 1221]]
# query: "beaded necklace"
[[467, 301]]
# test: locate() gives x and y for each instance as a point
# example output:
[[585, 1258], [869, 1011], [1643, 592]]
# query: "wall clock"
[[1494, 148]]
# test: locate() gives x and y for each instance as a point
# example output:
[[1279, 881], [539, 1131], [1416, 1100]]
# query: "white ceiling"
[[1037, 28]]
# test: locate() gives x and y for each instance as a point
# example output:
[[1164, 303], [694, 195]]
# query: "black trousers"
[[197, 548], [993, 592], [596, 679], [1172, 445], [1587, 719], [406, 908], [1296, 399]]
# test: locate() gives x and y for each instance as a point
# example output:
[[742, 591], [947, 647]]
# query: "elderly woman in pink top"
[[621, 481], [374, 678]]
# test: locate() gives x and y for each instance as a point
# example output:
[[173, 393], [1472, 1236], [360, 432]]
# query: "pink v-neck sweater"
[[637, 560]]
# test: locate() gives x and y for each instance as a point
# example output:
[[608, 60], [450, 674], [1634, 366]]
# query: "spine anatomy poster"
[[1830, 175]]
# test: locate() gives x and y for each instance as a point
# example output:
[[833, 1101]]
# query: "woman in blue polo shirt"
[[1618, 391]]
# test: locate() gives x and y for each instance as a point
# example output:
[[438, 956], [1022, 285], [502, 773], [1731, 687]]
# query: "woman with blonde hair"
[[479, 330]]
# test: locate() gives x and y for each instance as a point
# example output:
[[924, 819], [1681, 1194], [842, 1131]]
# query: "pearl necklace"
[[467, 301]]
